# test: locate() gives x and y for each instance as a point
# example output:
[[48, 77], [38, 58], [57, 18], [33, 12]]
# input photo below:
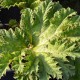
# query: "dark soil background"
[[74, 4], [7, 14], [14, 13]]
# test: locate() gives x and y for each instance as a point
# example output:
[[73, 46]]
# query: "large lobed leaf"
[[19, 3], [47, 43]]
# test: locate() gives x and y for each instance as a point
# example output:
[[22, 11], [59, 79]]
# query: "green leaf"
[[20, 3], [47, 43], [11, 38], [13, 23], [48, 66]]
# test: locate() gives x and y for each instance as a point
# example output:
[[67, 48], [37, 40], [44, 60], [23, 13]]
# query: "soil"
[[7, 14], [74, 4]]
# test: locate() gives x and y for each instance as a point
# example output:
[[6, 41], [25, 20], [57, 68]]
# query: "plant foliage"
[[47, 43], [19, 3]]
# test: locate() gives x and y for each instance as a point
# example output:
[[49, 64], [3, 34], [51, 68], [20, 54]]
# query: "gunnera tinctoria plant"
[[47, 43]]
